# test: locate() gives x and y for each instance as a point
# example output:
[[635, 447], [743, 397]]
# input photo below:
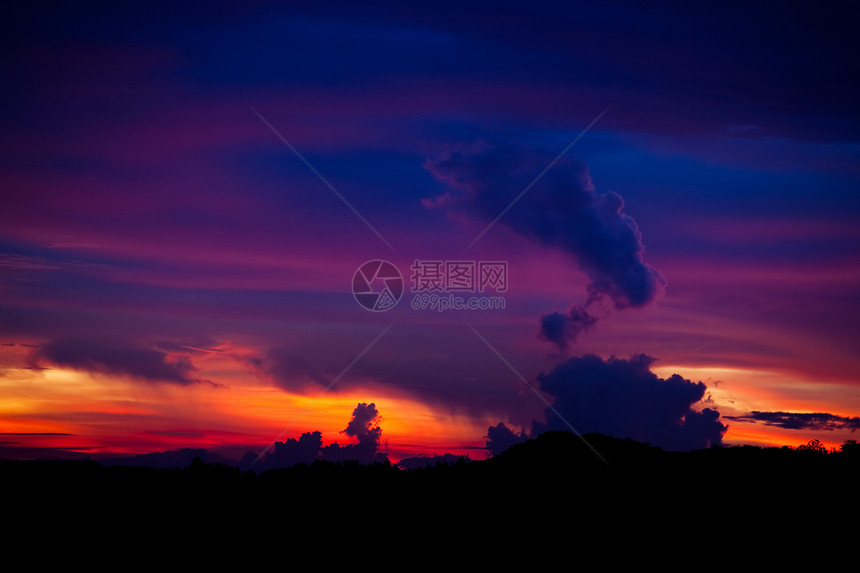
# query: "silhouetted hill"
[[416, 462], [551, 477], [168, 459], [594, 452]]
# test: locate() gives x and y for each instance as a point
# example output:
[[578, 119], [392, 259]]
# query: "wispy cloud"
[[801, 420]]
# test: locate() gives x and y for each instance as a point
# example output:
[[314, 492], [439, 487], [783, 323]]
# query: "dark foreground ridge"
[[553, 475]]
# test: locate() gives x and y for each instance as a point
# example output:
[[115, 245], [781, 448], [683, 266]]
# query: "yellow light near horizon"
[[696, 373], [739, 391], [27, 388], [117, 414], [742, 389], [768, 436], [30, 400], [79, 399], [270, 411], [770, 390]]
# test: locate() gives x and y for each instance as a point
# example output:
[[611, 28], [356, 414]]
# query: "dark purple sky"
[[171, 273]]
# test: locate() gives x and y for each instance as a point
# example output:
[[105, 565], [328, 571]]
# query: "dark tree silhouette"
[[850, 447], [813, 447]]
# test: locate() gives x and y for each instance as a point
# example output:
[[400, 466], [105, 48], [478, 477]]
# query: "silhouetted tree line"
[[555, 474], [553, 485]]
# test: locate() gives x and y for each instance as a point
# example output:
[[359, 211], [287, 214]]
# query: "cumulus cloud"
[[563, 210], [306, 449], [561, 328], [623, 399], [500, 437], [364, 425], [149, 363], [801, 421]]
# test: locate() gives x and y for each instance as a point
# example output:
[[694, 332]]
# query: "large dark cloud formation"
[[142, 362], [287, 369], [465, 377], [624, 399], [562, 210]]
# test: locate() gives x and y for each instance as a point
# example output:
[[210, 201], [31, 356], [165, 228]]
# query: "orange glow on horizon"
[[102, 414], [738, 391], [119, 416]]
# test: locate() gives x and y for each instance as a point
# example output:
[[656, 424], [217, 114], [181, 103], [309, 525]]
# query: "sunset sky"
[[187, 191]]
